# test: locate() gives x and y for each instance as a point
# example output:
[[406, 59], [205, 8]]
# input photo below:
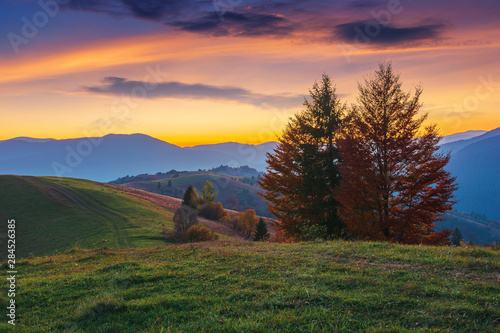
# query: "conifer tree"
[[191, 197], [302, 173], [456, 237], [261, 232]]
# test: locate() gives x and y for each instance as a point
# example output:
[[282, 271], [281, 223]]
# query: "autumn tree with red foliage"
[[394, 186], [302, 172]]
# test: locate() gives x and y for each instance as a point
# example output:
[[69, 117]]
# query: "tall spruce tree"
[[191, 197], [303, 172], [456, 237], [261, 232]]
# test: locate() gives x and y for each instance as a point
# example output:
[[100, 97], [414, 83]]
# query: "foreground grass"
[[222, 286]]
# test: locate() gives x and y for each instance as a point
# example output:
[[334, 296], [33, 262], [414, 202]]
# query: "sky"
[[207, 71]]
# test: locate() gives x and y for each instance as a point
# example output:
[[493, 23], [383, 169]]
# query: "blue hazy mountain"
[[113, 156], [476, 164]]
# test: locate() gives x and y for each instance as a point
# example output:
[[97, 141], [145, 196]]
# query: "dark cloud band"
[[366, 32], [117, 86]]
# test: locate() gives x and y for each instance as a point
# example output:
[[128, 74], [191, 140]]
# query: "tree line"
[[369, 171]]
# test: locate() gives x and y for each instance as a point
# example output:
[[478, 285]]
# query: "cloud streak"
[[117, 86], [365, 32]]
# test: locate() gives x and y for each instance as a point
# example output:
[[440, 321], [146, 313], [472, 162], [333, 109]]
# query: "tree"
[[159, 185], [169, 184], [191, 197], [247, 222], [261, 232], [184, 218], [394, 185], [208, 193], [303, 171], [456, 237]]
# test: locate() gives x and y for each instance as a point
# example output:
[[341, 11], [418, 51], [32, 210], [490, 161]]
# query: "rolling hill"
[[473, 227], [55, 214], [234, 192]]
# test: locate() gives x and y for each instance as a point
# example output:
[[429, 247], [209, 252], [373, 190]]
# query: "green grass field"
[[55, 214], [333, 286]]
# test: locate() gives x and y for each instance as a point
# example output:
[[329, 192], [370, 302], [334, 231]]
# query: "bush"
[[214, 212], [313, 232], [199, 233], [208, 211], [222, 215], [184, 218]]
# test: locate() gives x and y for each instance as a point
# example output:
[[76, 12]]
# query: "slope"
[[55, 214], [232, 192], [477, 168], [479, 230]]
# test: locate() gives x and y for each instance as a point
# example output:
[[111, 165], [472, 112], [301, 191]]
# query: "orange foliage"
[[394, 186]]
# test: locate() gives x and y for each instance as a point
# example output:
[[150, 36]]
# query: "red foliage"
[[394, 186]]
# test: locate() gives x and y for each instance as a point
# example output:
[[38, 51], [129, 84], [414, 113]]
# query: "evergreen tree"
[[456, 237], [261, 232], [169, 184], [191, 197], [303, 172], [208, 193]]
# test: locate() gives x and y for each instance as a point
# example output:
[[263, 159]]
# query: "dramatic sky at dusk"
[[194, 71]]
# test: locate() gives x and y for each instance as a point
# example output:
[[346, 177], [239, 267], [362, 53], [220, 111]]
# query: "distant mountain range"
[[475, 161], [113, 156], [461, 136], [476, 164]]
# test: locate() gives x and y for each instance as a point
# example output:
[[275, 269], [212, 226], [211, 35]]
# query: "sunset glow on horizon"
[[193, 72]]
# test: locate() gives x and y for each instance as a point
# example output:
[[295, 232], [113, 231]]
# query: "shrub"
[[208, 211], [214, 212], [222, 215], [199, 233], [184, 218]]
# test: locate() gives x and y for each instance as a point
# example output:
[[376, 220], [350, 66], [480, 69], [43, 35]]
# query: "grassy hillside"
[[473, 227], [54, 214], [226, 186], [308, 287]]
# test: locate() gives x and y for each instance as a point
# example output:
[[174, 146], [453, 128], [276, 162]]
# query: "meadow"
[[229, 286]]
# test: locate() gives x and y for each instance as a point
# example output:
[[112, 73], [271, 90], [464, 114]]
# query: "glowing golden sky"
[[215, 87]]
